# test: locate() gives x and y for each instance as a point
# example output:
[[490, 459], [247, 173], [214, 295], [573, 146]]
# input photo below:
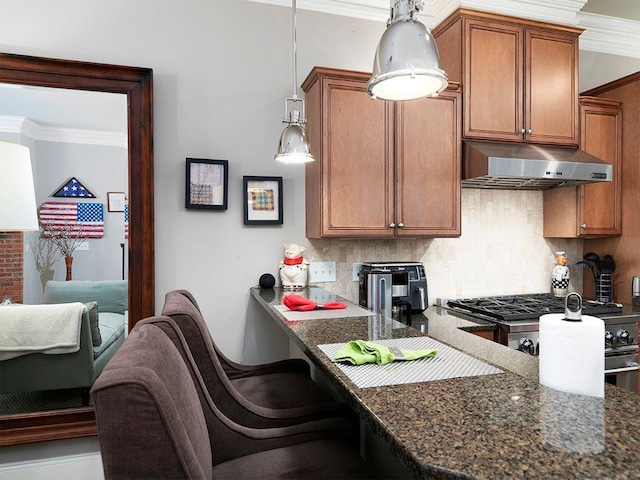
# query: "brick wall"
[[11, 265]]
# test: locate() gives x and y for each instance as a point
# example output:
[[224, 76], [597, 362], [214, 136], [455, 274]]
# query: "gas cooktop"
[[527, 307]]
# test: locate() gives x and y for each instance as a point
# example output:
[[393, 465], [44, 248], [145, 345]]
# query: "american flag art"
[[80, 219], [126, 221]]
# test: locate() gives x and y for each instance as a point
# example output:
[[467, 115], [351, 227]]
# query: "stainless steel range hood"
[[529, 167]]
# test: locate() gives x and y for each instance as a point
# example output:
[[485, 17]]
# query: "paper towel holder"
[[573, 315]]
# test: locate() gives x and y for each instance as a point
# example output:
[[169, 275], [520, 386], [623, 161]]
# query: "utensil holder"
[[635, 294], [604, 288]]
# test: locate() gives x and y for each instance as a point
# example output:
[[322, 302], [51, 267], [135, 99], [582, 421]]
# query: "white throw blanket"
[[53, 328]]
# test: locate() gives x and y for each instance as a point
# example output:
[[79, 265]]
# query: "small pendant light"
[[294, 144], [406, 65]]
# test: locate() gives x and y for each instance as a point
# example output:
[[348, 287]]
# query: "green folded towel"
[[358, 352]]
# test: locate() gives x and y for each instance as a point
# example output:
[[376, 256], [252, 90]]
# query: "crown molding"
[[602, 33], [555, 11], [377, 10], [615, 36], [35, 131]]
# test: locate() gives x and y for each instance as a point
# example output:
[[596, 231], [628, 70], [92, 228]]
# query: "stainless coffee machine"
[[396, 289]]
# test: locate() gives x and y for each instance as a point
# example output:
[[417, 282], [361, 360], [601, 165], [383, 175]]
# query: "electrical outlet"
[[356, 270], [320, 272], [84, 245]]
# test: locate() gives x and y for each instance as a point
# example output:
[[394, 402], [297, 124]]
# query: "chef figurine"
[[293, 268], [560, 275]]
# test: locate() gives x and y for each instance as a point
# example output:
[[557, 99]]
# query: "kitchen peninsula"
[[491, 426]]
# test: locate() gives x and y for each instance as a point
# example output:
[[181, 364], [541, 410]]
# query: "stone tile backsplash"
[[501, 251]]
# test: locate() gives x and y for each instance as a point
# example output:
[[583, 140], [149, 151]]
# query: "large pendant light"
[[294, 144], [406, 65]]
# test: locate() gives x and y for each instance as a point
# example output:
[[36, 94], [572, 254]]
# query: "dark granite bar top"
[[490, 427]]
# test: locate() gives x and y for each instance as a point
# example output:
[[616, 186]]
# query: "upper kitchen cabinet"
[[591, 210], [382, 169], [519, 77], [427, 165]]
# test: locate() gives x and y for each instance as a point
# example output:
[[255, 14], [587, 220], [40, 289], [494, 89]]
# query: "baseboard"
[[73, 467]]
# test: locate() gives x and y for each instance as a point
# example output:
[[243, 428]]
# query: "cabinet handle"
[[584, 225], [401, 225], [522, 130], [392, 225], [529, 131]]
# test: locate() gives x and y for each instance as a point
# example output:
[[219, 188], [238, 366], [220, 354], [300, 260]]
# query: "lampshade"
[[17, 194], [406, 65], [294, 144]]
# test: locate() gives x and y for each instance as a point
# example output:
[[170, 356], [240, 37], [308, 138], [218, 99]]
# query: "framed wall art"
[[206, 184], [116, 201], [262, 200]]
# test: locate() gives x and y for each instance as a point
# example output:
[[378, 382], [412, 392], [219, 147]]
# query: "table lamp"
[[17, 193]]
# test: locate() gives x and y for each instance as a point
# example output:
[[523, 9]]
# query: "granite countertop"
[[494, 426]]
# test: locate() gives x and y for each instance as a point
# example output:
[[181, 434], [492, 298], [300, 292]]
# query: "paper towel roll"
[[572, 354], [572, 422]]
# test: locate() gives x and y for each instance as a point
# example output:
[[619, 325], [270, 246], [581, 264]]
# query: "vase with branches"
[[67, 237], [45, 254]]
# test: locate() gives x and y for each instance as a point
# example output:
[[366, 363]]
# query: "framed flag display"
[[262, 200], [72, 188]]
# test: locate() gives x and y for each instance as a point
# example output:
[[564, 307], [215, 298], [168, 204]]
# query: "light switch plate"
[[320, 272]]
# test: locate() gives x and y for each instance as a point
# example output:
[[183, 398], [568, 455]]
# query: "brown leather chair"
[[156, 420], [238, 370], [285, 396]]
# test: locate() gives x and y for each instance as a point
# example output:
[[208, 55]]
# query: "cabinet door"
[[493, 81], [428, 140], [551, 88], [357, 167], [600, 208]]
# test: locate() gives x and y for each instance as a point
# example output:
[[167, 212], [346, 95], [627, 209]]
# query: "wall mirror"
[[136, 84]]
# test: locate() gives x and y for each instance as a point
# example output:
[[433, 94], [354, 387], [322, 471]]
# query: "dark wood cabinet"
[[595, 209], [382, 169], [519, 77]]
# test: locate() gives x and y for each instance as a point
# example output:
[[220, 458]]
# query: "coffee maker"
[[397, 289]]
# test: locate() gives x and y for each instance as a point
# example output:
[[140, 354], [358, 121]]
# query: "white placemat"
[[448, 363], [350, 311]]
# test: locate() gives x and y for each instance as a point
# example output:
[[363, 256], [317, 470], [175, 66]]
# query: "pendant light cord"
[[295, 50]]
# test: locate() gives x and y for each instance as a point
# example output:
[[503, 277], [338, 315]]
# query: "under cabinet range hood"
[[528, 166]]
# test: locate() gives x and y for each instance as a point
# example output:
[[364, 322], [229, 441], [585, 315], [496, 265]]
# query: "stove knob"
[[608, 339], [527, 346], [623, 337]]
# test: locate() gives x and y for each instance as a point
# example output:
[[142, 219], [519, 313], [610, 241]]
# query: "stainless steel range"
[[517, 319]]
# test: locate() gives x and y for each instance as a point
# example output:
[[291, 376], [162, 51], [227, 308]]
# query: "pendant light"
[[406, 65], [294, 144]]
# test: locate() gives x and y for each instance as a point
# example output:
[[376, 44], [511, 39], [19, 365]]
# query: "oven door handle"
[[631, 368]]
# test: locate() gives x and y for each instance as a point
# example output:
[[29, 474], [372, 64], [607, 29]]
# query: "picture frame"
[[206, 184], [116, 201], [263, 204]]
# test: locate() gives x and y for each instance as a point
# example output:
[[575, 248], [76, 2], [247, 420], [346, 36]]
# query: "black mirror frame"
[[137, 84]]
